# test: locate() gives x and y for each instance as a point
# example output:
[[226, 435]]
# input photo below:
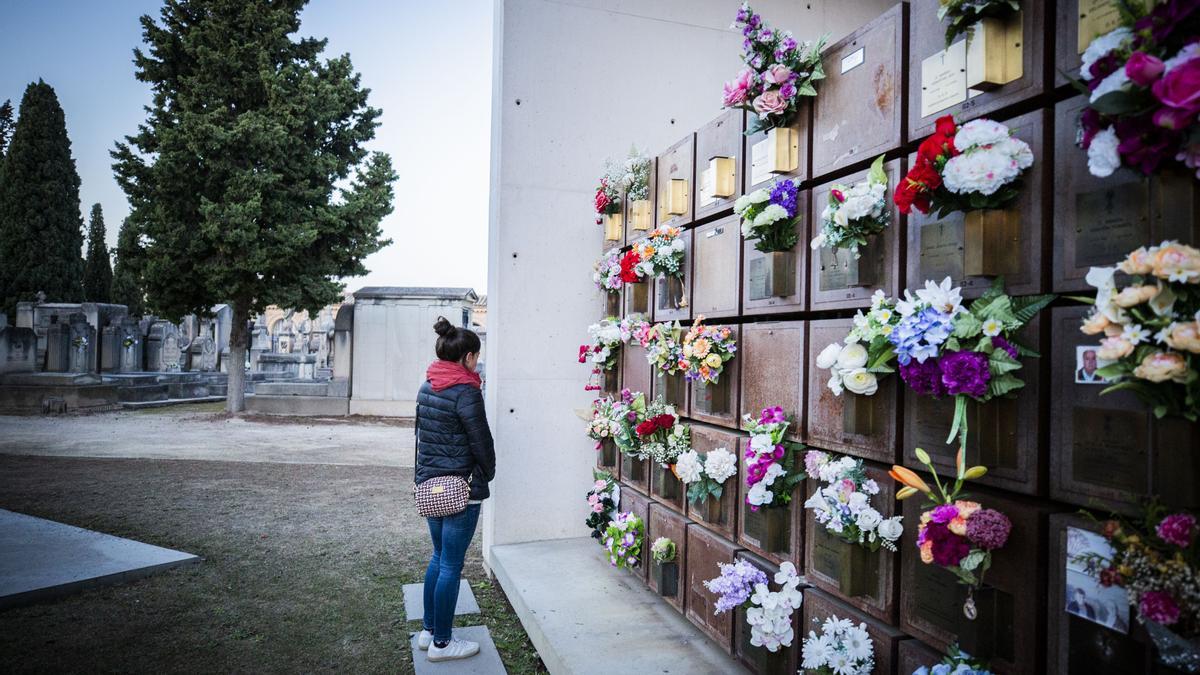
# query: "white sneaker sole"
[[435, 658]]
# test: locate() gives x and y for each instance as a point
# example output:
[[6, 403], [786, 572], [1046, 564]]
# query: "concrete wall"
[[591, 77]]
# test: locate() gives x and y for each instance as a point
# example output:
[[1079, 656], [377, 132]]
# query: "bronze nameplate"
[[1110, 222], [760, 278], [1110, 448], [942, 249]]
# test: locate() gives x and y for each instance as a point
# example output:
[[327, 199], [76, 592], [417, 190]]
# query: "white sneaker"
[[424, 640], [456, 649]]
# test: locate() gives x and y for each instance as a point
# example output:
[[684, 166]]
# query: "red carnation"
[[629, 263], [583, 353], [837, 194], [946, 125], [664, 421], [926, 174]]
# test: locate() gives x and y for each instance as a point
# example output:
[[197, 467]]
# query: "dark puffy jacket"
[[453, 438]]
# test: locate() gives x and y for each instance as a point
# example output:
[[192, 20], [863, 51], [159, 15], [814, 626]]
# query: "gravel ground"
[[302, 572]]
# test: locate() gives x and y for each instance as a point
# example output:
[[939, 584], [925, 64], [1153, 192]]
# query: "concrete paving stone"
[[42, 559], [414, 600], [583, 616], [486, 662]]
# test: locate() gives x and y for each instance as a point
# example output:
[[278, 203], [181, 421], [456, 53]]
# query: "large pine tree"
[[249, 179], [97, 268], [127, 273], [6, 125], [41, 231]]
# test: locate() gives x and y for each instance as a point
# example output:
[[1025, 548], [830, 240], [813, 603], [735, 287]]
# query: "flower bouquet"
[[1151, 327], [705, 475], [975, 166], [660, 435], [609, 273], [956, 534], [1155, 559], [706, 350], [663, 550], [623, 539], [960, 15], [855, 212], [866, 351], [664, 347], [943, 348], [613, 420], [768, 613], [607, 337], [608, 193], [769, 216], [956, 662], [841, 649], [843, 505], [637, 188], [778, 72], [1141, 80], [772, 472], [602, 503], [660, 254]]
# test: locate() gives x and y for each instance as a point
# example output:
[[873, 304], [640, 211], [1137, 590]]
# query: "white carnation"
[[1114, 82], [979, 133], [759, 495], [984, 171], [1103, 158], [720, 465], [759, 196], [772, 213], [687, 466], [1100, 47], [741, 204]]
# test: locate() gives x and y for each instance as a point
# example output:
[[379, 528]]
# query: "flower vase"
[[980, 636], [670, 293], [666, 578], [639, 214], [614, 227], [991, 242], [993, 56], [858, 414], [612, 304], [1174, 651], [841, 269], [712, 398], [675, 390], [855, 568], [773, 275], [993, 433], [639, 298], [783, 149], [712, 510], [769, 528], [666, 484], [760, 659], [633, 471], [607, 454], [611, 381]]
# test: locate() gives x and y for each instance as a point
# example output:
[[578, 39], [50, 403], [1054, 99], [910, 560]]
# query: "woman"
[[453, 439]]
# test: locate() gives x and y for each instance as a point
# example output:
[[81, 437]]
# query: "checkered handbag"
[[442, 496]]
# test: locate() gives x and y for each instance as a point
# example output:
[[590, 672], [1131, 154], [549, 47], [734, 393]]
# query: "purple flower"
[[788, 44], [735, 585], [1159, 607], [1000, 343], [923, 378], [772, 416], [944, 513], [948, 548], [788, 90], [1143, 68], [784, 193], [988, 529], [1178, 529], [965, 373]]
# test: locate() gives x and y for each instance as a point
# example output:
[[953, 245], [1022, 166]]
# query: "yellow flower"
[[713, 361], [1162, 366], [700, 348]]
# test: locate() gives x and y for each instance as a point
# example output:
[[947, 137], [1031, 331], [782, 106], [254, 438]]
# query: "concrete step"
[[569, 599], [141, 393], [298, 405], [142, 405], [486, 662], [295, 388]]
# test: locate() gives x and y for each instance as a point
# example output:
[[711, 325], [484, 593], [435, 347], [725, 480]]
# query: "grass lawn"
[[302, 572]]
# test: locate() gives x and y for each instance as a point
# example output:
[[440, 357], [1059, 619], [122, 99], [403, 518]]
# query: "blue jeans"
[[451, 537]]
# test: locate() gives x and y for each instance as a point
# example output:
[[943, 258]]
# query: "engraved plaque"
[[944, 79], [760, 164], [840, 269], [1109, 448], [716, 260], [1096, 17], [942, 246], [759, 281], [1110, 222], [708, 186]]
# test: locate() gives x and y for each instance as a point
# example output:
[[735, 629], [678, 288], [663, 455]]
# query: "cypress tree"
[[127, 273], [6, 125], [249, 178], [41, 231], [97, 269]]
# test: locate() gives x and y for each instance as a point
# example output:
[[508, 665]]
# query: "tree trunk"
[[239, 334]]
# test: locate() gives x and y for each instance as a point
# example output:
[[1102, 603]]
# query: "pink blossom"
[[1177, 529], [1180, 88], [1143, 68], [770, 102], [1159, 607], [738, 90], [777, 74]]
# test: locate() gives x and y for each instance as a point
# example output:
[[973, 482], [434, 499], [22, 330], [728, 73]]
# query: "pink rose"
[[770, 102], [1173, 118], [1180, 88], [1143, 68], [777, 74], [738, 90]]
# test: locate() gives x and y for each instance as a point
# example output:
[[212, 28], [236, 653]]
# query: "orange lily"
[[960, 461], [908, 477]]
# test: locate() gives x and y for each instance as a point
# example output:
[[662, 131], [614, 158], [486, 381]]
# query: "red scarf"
[[445, 374]]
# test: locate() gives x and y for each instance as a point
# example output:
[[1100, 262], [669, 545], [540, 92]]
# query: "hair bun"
[[443, 327]]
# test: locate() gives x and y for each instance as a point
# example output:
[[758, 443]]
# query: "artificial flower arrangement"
[[664, 347], [960, 15], [607, 337], [855, 212], [660, 254], [778, 72], [609, 274], [956, 534], [1142, 81], [963, 168], [843, 504], [663, 550], [705, 476], [706, 350], [772, 469], [637, 175], [946, 349], [614, 419], [660, 435], [956, 662], [602, 503], [866, 352], [623, 539], [608, 193], [1155, 560], [768, 613], [841, 649], [769, 216], [1151, 327]]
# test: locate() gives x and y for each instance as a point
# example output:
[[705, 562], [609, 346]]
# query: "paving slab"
[[414, 600], [41, 559], [486, 662], [584, 616]]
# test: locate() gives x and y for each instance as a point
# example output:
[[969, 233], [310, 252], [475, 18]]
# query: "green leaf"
[[972, 560], [1026, 307], [807, 89], [1118, 103], [967, 325], [877, 174], [1003, 385]]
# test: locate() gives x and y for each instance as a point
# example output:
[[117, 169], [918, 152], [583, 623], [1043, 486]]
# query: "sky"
[[429, 68]]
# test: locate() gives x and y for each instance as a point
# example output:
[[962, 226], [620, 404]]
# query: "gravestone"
[[207, 349], [18, 349], [83, 345], [110, 348], [58, 348], [131, 346], [170, 354]]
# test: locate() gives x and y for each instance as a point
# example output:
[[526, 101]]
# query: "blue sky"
[[427, 64]]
